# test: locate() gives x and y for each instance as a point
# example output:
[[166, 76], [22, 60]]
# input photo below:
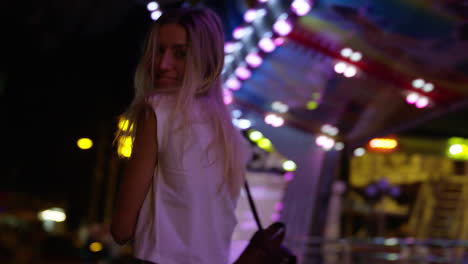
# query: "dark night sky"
[[61, 83]]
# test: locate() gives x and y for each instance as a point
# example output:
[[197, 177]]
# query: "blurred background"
[[356, 112]]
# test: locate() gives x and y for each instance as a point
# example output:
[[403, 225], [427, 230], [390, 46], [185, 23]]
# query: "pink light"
[[227, 97], [243, 73], [422, 102], [321, 140], [282, 27], [254, 60], [279, 206], [412, 98], [233, 83], [278, 122], [288, 176], [279, 41], [266, 44], [250, 15], [275, 217], [270, 119], [240, 32], [230, 47], [301, 7], [274, 120]]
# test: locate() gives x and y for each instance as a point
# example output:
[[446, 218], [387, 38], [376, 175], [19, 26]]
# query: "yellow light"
[[123, 124], [124, 148], [457, 148], [289, 165], [311, 105], [84, 143], [255, 135], [265, 144], [95, 247], [383, 143]]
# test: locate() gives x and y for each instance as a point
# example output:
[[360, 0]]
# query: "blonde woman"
[[180, 187]]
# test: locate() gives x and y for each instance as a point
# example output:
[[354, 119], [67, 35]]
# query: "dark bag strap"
[[252, 206]]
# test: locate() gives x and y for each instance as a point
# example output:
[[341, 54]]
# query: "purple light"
[[301, 7], [282, 27], [279, 41], [227, 97], [279, 206], [371, 190], [395, 191], [152, 6], [266, 44], [254, 60], [243, 73], [412, 98], [422, 102], [383, 184], [250, 15], [233, 83], [275, 217], [288, 176]]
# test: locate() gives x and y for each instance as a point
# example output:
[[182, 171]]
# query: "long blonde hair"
[[203, 67]]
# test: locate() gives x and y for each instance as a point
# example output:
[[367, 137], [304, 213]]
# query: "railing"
[[380, 250]]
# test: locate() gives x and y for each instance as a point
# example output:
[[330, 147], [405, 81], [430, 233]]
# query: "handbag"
[[265, 245]]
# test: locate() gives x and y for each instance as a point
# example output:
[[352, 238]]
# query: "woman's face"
[[170, 59]]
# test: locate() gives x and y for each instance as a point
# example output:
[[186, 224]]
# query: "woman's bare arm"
[[137, 177]]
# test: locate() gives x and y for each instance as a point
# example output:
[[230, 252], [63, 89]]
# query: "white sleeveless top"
[[184, 219]]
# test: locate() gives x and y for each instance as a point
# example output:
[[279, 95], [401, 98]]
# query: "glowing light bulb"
[[312, 105], [255, 135], [422, 102], [266, 44], [301, 7], [84, 143], [350, 71], [456, 149], [418, 83], [233, 83], [152, 6], [243, 73], [356, 56], [359, 152], [282, 27], [289, 165], [428, 87], [155, 15], [340, 67], [250, 15], [412, 98], [346, 52], [253, 59]]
